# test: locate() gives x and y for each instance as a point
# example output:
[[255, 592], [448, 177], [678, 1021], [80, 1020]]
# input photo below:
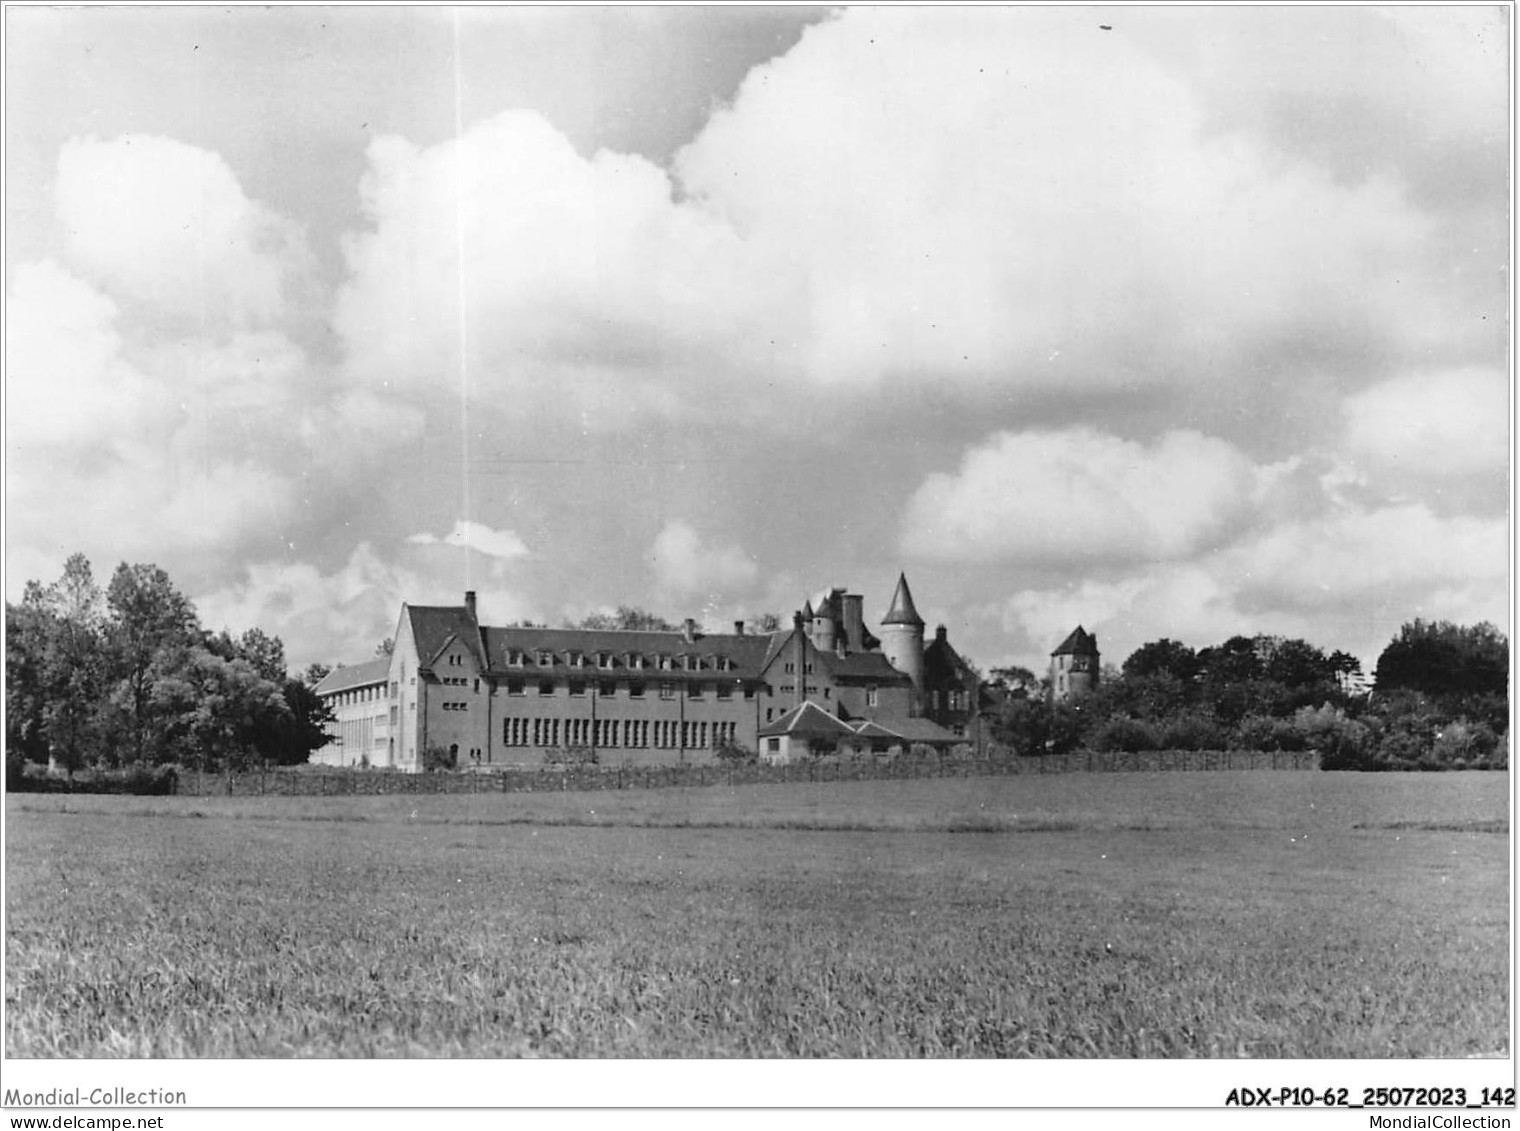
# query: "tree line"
[[1440, 699], [126, 676]]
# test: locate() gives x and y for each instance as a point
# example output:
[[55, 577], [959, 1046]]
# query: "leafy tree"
[[315, 674], [1163, 657], [214, 712], [1443, 659], [150, 626], [627, 618], [1014, 680], [385, 647], [304, 730], [764, 624], [57, 675], [266, 653]]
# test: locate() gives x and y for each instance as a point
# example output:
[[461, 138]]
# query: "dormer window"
[[691, 663], [636, 661], [576, 659], [724, 664], [666, 664], [545, 659], [515, 657], [604, 661]]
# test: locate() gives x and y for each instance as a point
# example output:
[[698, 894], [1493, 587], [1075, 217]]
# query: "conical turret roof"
[[902, 610]]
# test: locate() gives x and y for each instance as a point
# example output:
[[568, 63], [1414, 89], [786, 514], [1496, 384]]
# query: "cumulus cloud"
[[507, 253], [502, 544], [168, 446], [338, 616], [1343, 581], [167, 225], [686, 566], [1439, 425], [1055, 496], [1014, 197]]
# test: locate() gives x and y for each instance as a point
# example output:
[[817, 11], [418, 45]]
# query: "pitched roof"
[[902, 610], [944, 665], [355, 675], [918, 729], [808, 720], [1079, 643], [746, 652], [870, 728], [433, 626]]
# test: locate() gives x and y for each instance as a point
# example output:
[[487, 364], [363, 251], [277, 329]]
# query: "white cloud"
[[1014, 197], [1436, 425], [166, 224], [1081, 494], [337, 617], [686, 566], [1344, 581], [502, 544]]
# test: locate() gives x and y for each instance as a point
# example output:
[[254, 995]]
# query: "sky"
[[1172, 322]]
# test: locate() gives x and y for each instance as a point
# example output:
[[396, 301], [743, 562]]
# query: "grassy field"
[[1117, 915]]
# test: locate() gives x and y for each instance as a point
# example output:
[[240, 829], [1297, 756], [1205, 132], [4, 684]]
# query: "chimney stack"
[[738, 628], [689, 631], [469, 603], [854, 623]]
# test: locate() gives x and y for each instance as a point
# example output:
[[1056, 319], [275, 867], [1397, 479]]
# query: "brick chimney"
[[738, 628], [854, 623], [469, 603], [689, 631]]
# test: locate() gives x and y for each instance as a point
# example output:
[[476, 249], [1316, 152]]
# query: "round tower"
[[1074, 666], [902, 639]]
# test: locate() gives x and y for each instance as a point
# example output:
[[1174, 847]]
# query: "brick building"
[[494, 696]]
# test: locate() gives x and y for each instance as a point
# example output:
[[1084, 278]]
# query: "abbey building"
[[500, 696]]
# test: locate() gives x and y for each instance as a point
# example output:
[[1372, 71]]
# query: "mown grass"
[[1267, 915]]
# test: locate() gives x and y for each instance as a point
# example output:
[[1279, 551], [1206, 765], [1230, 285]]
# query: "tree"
[[627, 618], [56, 670], [150, 626], [304, 730], [1443, 660], [764, 624], [1013, 680], [1163, 657], [315, 674], [385, 647], [213, 712], [266, 653]]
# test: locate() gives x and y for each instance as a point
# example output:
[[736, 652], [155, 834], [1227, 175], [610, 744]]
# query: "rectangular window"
[[725, 691], [749, 692], [546, 687], [606, 689], [394, 716], [773, 745], [871, 697], [577, 687], [635, 690], [667, 691], [515, 686], [790, 668], [694, 690], [604, 660]]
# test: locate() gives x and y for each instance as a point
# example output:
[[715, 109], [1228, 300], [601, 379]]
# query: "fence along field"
[[1219, 915]]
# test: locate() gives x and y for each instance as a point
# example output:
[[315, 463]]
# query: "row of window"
[[357, 695], [608, 661], [607, 689], [633, 734], [360, 734]]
